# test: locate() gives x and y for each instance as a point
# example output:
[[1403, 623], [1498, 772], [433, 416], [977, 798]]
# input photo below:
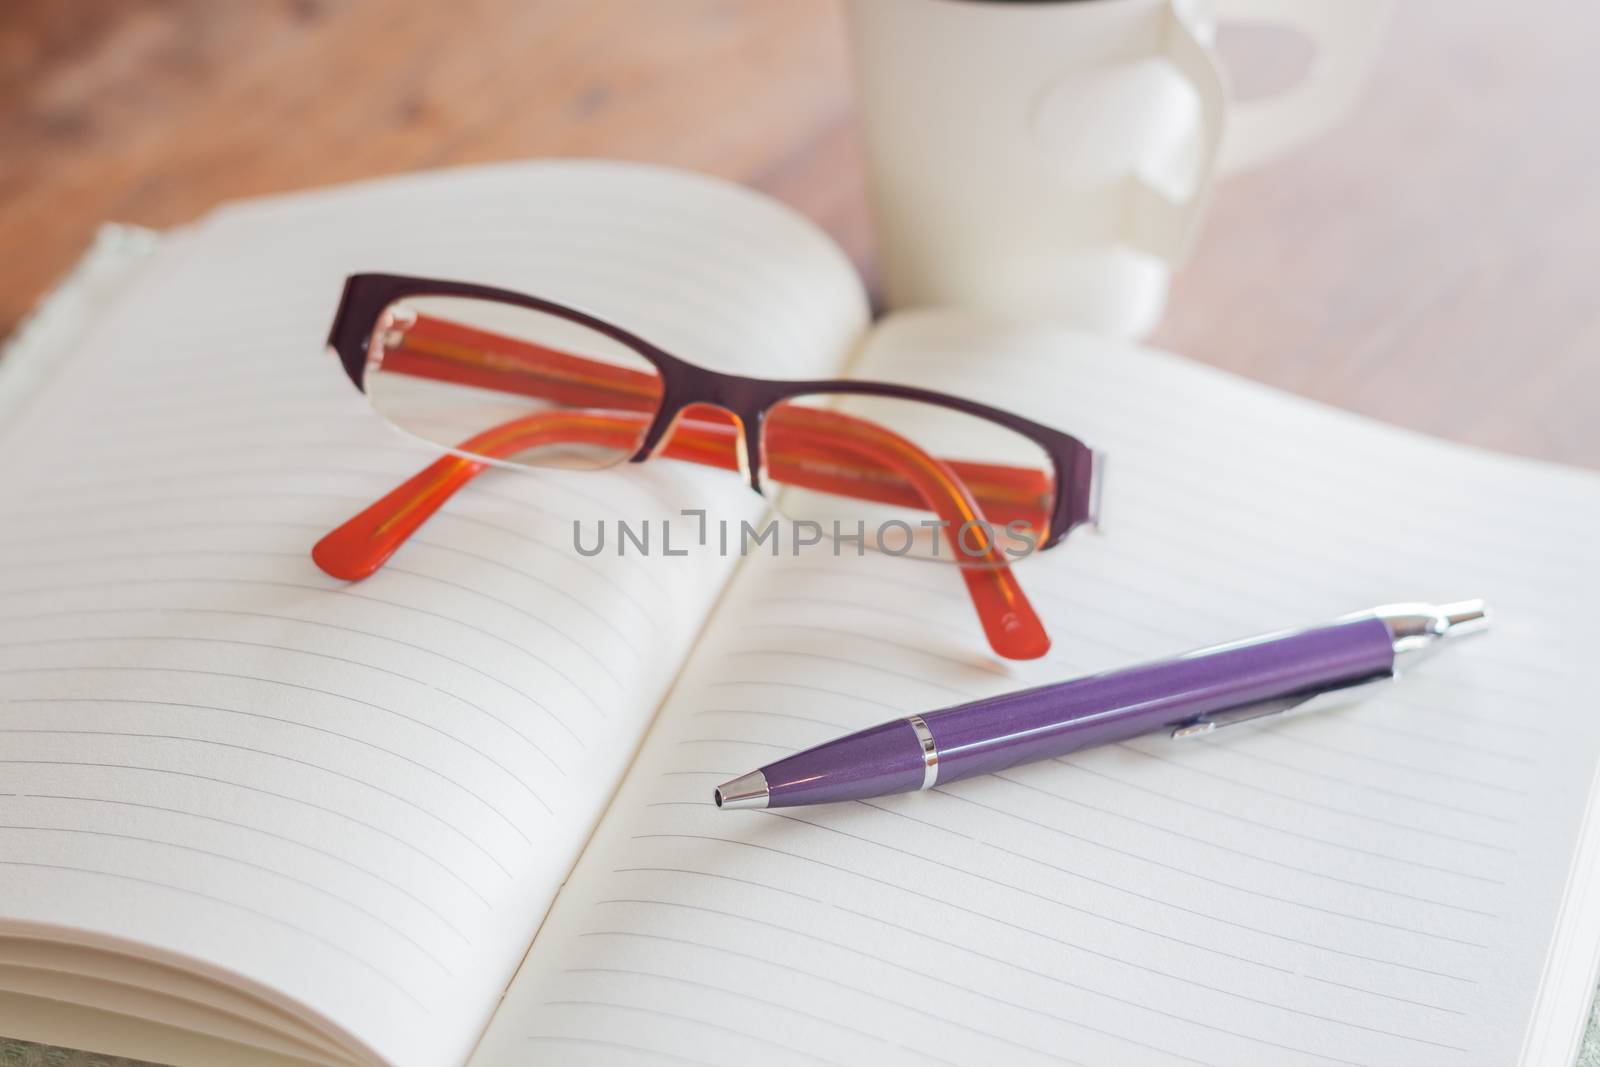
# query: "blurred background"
[[1429, 263]]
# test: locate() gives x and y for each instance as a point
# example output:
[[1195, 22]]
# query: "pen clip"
[[1301, 702]]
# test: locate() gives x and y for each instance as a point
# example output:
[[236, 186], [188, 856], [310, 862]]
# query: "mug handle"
[[1156, 221], [1347, 36]]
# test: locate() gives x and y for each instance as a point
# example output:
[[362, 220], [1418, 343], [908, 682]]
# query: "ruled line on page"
[[730, 1030], [947, 794], [439, 820], [577, 687], [618, 1046], [341, 593], [911, 930], [1101, 915], [584, 606], [455, 783], [94, 702], [838, 694], [1251, 755], [1119, 850], [125, 583], [793, 968], [168, 609], [431, 688], [835, 944], [1233, 816], [1011, 778], [344, 901], [390, 883], [1163, 902], [735, 993], [974, 992], [1320, 805], [808, 859], [189, 462], [257, 913], [1224, 884], [901, 888], [530, 535], [1280, 736], [447, 869], [446, 520]]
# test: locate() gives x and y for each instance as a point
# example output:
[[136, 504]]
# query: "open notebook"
[[460, 811]]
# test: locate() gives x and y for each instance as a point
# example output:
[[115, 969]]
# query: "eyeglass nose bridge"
[[742, 400]]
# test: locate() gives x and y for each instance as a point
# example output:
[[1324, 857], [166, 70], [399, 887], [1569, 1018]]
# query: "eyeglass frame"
[[1078, 468], [360, 546]]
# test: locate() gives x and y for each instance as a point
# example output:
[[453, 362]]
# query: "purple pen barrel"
[[989, 735], [1054, 720], [1118, 705]]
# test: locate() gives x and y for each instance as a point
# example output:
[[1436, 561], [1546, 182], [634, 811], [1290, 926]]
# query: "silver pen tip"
[[1464, 617], [745, 791], [1416, 627]]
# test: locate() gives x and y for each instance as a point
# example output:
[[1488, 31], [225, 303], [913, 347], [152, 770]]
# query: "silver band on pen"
[[930, 751]]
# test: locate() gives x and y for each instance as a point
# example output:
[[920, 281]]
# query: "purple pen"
[[1187, 695]]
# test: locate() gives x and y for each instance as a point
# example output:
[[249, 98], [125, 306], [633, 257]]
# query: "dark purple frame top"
[[367, 295]]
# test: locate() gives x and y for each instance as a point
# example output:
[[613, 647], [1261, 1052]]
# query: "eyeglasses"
[[499, 378]]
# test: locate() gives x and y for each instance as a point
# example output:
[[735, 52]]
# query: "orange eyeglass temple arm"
[[1009, 621], [360, 546]]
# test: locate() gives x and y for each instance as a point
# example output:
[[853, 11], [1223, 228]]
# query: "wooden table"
[[1432, 262]]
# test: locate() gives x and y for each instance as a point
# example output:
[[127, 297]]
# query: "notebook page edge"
[[1560, 1018], [66, 1025]]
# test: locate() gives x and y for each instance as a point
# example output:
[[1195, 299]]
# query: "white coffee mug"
[[1052, 159]]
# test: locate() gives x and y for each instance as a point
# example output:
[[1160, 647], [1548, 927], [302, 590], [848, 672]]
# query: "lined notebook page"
[[1366, 887], [355, 800]]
